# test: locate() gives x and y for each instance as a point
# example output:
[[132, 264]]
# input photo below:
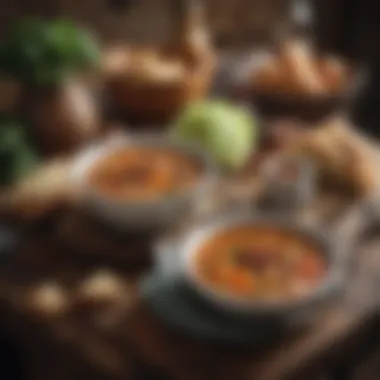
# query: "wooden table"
[[123, 339]]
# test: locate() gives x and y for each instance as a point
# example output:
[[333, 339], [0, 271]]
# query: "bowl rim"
[[186, 249], [88, 157]]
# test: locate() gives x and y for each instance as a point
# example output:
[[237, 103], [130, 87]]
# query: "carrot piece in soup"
[[311, 267], [242, 282]]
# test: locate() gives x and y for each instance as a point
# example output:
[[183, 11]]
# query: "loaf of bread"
[[300, 65], [45, 190], [48, 300], [343, 154]]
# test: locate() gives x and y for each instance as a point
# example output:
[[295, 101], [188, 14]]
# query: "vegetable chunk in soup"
[[144, 174], [263, 263]]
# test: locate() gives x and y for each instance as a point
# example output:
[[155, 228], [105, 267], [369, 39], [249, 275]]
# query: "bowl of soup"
[[260, 264], [143, 181]]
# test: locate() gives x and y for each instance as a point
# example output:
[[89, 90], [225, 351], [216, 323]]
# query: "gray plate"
[[179, 307]]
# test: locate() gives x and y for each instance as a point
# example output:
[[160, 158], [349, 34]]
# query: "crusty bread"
[[101, 287], [46, 189], [299, 64], [48, 300], [342, 153]]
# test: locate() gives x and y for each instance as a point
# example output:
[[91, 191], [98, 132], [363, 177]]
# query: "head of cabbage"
[[227, 132]]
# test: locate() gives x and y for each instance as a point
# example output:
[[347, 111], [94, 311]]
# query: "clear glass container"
[[288, 185]]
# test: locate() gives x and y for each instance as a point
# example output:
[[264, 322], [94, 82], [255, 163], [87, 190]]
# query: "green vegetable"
[[17, 153], [226, 131], [37, 52]]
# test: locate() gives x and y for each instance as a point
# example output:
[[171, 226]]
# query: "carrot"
[[242, 282], [311, 267]]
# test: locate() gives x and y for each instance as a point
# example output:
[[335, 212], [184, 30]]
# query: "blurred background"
[[129, 19], [341, 27], [338, 26]]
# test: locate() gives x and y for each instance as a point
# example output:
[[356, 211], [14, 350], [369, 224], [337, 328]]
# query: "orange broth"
[[144, 173], [261, 263]]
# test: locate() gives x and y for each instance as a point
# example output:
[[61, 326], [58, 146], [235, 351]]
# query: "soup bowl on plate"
[[257, 265], [142, 181]]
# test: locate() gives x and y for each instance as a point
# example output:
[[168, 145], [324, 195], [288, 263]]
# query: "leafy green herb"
[[37, 52]]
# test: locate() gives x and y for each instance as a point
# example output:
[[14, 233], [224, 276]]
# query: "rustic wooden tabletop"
[[120, 337]]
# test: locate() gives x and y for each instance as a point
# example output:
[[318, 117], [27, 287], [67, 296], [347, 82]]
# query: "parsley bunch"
[[37, 52]]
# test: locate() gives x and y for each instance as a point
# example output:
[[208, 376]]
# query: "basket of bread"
[[296, 81]]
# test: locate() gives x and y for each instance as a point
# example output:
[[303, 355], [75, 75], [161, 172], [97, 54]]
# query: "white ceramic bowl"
[[178, 257], [140, 215]]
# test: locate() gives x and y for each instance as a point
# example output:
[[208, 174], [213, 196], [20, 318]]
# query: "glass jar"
[[288, 185]]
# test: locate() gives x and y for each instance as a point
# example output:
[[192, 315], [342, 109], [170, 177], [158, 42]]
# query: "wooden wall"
[[233, 22]]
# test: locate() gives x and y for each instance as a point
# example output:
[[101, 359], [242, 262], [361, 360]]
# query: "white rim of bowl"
[[200, 234], [87, 158]]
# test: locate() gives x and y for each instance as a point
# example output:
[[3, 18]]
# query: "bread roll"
[[299, 64], [48, 300], [44, 190], [101, 287], [342, 154]]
